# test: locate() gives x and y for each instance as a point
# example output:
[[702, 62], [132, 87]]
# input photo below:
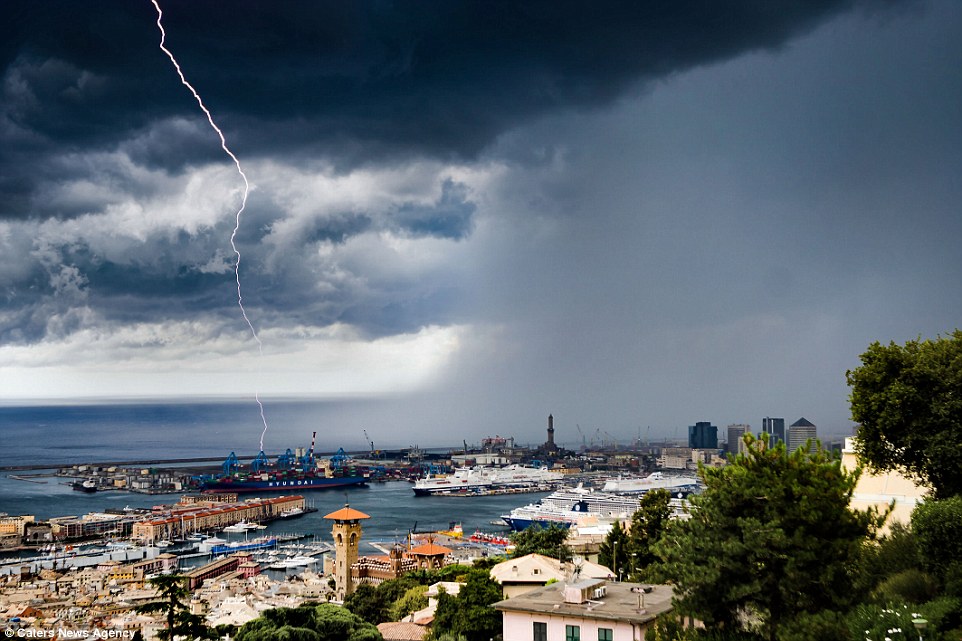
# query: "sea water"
[[68, 434]]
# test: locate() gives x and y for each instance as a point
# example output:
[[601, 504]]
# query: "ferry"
[[482, 481]]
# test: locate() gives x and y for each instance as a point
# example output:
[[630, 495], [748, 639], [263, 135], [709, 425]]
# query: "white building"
[[585, 611]]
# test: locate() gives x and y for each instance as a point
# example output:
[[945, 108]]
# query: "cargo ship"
[[288, 472]]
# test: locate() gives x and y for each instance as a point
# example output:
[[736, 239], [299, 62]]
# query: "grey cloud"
[[354, 82]]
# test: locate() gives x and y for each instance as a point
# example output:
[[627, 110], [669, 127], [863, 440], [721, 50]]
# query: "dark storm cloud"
[[347, 79]]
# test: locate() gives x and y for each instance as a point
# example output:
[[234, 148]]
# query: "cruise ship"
[[571, 506], [678, 486], [481, 481]]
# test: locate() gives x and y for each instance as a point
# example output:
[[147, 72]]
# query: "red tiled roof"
[[429, 549], [347, 514], [402, 631]]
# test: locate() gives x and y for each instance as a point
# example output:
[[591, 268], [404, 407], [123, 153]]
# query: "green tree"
[[769, 540], [411, 601], [614, 552], [368, 603], [469, 614], [316, 622], [896, 552], [907, 401], [938, 529], [550, 541], [648, 525], [193, 626], [172, 590]]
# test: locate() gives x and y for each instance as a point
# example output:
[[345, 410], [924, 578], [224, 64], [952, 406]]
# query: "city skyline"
[[482, 215]]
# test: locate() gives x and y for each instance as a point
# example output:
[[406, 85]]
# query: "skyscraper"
[[799, 432], [774, 428], [735, 433], [703, 436]]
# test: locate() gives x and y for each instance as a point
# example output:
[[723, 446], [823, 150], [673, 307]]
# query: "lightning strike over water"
[[237, 216]]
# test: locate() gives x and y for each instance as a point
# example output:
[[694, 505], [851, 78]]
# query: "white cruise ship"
[[678, 486], [479, 481], [568, 507]]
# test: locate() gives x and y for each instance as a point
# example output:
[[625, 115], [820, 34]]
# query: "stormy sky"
[[633, 215]]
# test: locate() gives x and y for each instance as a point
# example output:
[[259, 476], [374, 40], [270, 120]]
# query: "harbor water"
[[393, 508], [95, 433]]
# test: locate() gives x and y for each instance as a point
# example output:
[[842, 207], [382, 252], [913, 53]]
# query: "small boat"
[[243, 526]]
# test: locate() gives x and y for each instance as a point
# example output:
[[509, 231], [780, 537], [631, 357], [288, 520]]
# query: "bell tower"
[[346, 533]]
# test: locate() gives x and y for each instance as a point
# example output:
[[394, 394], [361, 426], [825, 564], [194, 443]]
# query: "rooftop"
[[347, 513], [632, 602], [429, 549]]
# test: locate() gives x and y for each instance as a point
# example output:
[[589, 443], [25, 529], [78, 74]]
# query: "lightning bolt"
[[240, 210]]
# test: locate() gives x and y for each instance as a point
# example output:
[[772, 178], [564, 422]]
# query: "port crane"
[[230, 464], [260, 462], [368, 439]]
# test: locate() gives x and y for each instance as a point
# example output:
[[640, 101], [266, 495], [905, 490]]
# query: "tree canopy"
[[937, 526], [172, 590], [469, 614], [907, 401], [628, 554], [770, 541], [548, 541], [315, 622]]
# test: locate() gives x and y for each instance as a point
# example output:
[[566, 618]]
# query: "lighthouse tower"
[[347, 535]]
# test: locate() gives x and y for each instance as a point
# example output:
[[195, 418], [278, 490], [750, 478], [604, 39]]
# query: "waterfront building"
[[774, 430], [703, 436], [588, 609], [346, 533], [799, 433], [179, 521], [736, 432]]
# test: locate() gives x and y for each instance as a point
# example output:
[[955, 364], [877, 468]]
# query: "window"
[[572, 633], [540, 631], [604, 634]]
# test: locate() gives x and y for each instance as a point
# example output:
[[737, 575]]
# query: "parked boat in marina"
[[243, 526]]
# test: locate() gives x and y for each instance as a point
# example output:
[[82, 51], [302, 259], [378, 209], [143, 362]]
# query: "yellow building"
[[14, 524], [880, 490]]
